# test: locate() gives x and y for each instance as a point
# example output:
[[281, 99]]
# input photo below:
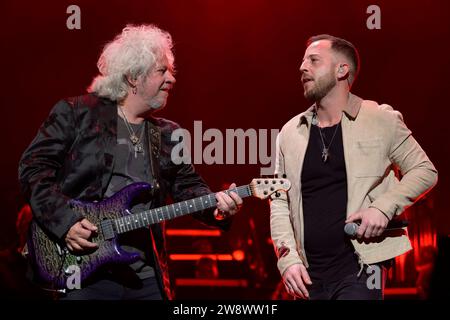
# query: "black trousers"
[[368, 286], [109, 289]]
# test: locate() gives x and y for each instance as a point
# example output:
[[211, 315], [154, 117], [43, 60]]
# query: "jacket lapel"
[[107, 119]]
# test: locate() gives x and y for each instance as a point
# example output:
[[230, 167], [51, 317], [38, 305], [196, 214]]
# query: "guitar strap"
[[154, 147]]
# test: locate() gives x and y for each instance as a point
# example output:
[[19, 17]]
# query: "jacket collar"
[[351, 110]]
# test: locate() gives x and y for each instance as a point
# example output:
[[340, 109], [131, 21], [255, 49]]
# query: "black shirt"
[[329, 252], [130, 167]]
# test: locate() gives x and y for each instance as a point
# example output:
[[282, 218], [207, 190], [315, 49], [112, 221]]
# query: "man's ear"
[[132, 81], [343, 71]]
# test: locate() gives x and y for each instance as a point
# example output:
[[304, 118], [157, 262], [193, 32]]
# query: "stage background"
[[237, 64]]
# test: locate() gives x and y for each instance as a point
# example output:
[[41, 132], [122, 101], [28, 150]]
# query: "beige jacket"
[[376, 141]]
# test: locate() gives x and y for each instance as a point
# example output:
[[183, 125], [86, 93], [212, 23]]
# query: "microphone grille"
[[351, 229]]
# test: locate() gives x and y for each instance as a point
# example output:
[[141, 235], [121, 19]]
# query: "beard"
[[321, 87], [158, 103]]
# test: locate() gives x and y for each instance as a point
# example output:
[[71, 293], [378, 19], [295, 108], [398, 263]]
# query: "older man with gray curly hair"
[[92, 146]]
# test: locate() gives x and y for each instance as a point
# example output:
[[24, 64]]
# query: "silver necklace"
[[325, 148], [135, 140]]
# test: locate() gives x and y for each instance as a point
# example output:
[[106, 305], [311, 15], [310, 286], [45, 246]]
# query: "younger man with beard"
[[342, 156]]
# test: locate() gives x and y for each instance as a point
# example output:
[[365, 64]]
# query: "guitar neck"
[[171, 211]]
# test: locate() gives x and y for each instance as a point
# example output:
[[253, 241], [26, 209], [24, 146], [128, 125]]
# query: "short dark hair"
[[344, 47]]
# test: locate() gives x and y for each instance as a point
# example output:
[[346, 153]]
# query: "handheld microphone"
[[352, 228]]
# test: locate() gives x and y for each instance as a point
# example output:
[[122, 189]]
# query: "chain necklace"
[[325, 148], [135, 140]]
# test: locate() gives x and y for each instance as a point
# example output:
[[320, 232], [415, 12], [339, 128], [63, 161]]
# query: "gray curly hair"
[[132, 53]]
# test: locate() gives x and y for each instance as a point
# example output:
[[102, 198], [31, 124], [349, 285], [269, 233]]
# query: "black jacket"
[[71, 157]]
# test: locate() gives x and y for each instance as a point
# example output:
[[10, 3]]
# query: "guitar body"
[[54, 264]]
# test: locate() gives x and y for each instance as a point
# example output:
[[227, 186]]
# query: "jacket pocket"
[[368, 158]]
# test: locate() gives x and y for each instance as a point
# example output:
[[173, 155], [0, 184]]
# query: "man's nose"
[[171, 78], [303, 67]]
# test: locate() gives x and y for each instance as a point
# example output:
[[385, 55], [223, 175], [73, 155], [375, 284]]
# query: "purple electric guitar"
[[54, 264]]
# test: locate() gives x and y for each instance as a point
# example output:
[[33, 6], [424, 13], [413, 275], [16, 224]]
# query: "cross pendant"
[[138, 148], [325, 154]]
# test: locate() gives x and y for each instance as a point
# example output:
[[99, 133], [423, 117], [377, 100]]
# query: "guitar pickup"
[[107, 229]]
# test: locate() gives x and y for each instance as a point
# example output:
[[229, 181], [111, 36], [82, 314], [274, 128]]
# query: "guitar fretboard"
[[171, 211]]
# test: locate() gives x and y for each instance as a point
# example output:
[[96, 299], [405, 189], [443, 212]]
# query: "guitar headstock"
[[263, 187]]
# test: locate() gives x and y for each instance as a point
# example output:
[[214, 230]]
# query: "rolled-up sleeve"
[[281, 228]]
